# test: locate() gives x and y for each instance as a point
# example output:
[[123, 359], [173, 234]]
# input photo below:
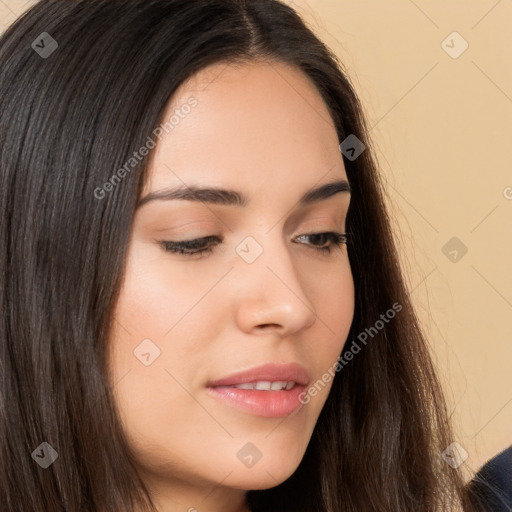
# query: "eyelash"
[[187, 247]]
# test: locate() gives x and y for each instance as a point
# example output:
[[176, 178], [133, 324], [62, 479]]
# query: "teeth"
[[244, 386], [265, 385]]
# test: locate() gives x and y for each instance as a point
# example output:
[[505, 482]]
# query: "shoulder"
[[491, 487]]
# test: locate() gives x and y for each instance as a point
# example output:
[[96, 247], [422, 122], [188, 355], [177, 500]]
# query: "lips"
[[270, 372], [270, 390]]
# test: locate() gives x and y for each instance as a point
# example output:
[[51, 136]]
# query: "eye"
[[201, 246], [198, 246], [336, 240]]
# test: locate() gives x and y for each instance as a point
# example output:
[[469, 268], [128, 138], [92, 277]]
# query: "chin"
[[263, 476]]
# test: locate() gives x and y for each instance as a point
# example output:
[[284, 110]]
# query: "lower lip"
[[270, 404]]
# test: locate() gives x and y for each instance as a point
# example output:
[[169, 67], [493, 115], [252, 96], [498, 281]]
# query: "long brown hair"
[[73, 109]]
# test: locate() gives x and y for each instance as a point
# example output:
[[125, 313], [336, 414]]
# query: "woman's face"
[[265, 293]]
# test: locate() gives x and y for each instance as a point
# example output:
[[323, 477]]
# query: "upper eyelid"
[[336, 219], [340, 212], [304, 231]]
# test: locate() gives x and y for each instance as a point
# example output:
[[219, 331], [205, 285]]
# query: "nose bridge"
[[271, 291]]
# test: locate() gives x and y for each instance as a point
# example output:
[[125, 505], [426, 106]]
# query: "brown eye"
[[336, 240]]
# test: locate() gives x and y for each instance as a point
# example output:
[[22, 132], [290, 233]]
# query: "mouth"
[[264, 385], [270, 390]]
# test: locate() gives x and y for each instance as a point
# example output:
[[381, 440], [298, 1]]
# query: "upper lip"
[[266, 372]]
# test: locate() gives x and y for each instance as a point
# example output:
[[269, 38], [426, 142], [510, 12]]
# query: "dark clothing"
[[491, 488]]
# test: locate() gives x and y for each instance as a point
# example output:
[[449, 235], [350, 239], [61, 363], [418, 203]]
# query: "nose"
[[270, 294]]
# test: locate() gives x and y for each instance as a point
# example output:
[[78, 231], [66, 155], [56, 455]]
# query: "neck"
[[182, 497]]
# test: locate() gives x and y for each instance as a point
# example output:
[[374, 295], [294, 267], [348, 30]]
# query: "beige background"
[[442, 128]]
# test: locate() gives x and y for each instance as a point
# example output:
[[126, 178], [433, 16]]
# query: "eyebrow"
[[224, 197]]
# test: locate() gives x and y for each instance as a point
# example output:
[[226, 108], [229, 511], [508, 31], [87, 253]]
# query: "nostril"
[[267, 326]]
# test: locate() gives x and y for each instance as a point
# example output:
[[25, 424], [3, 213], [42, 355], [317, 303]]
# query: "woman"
[[202, 306]]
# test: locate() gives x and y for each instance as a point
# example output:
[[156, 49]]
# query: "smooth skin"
[[263, 130]]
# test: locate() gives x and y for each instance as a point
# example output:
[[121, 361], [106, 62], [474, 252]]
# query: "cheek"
[[334, 299], [153, 339], [155, 315], [157, 292], [161, 319], [333, 295]]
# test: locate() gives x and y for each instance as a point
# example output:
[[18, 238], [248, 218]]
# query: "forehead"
[[256, 122]]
